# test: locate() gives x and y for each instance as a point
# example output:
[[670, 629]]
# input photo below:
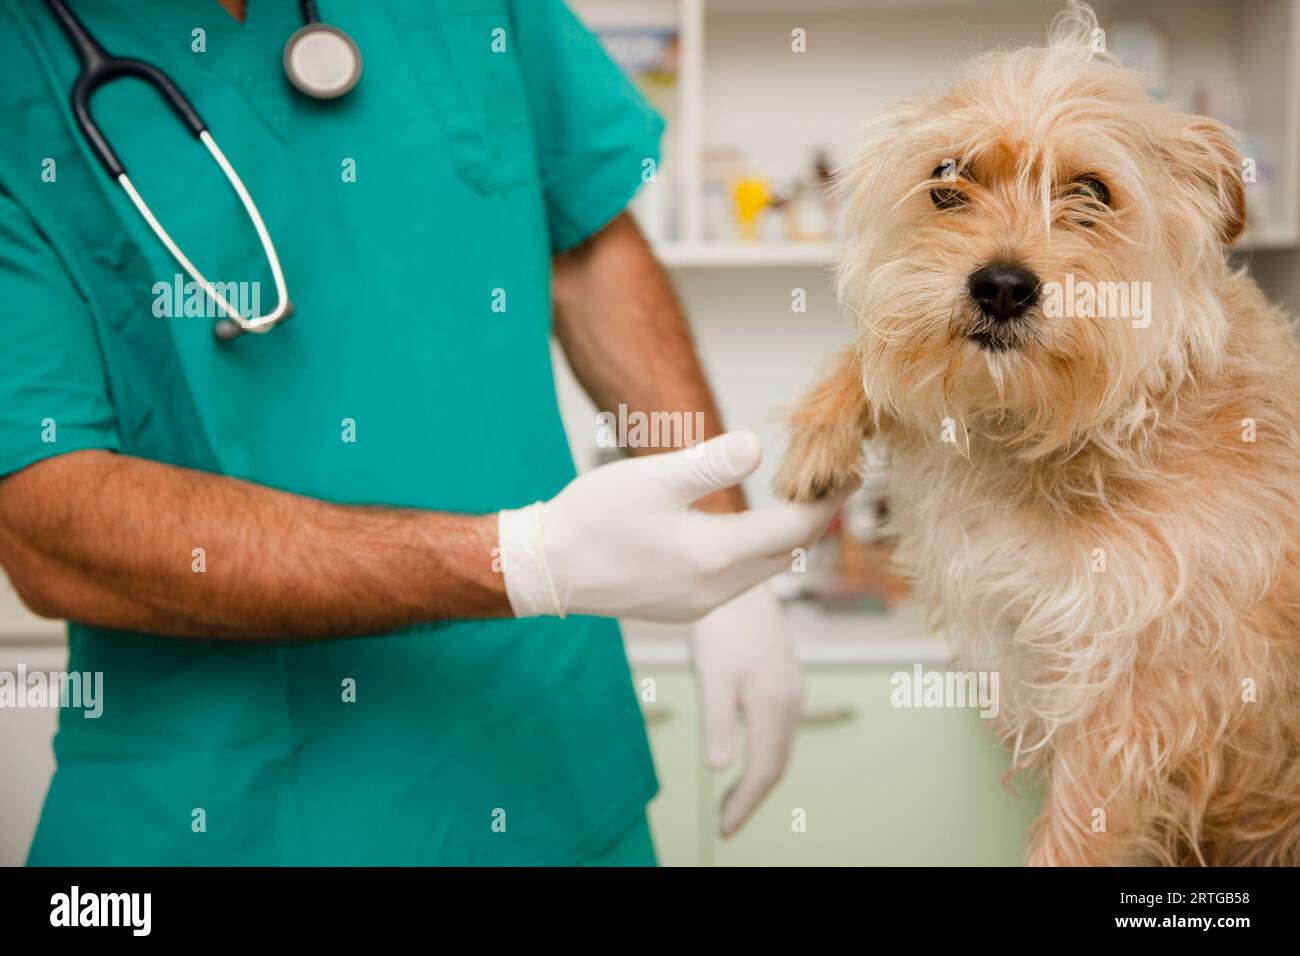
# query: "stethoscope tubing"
[[99, 68], [234, 323]]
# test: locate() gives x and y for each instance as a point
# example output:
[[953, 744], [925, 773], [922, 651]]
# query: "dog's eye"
[[945, 197], [1091, 188]]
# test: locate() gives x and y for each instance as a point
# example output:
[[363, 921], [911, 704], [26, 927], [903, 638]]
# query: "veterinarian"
[[215, 513]]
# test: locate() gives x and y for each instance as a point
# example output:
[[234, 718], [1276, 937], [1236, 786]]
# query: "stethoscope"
[[320, 60]]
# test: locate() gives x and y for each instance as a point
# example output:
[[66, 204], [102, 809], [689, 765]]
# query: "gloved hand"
[[622, 540], [745, 665]]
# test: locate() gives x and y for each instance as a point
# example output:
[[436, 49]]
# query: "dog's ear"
[[1208, 155]]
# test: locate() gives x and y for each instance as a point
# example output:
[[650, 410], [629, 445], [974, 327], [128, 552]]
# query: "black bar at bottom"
[[975, 906]]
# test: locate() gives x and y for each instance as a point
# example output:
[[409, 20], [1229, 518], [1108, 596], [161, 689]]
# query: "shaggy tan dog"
[[1090, 421]]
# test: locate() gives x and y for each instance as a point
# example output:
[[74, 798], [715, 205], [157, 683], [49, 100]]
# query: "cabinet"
[[871, 784], [678, 815]]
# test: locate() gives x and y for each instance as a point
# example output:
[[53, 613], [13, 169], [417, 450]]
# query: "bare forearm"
[[127, 543], [626, 336]]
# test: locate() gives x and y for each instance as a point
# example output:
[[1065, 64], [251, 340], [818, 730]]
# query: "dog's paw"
[[827, 431], [820, 461]]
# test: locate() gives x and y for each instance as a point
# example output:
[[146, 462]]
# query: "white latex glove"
[[745, 665], [623, 541]]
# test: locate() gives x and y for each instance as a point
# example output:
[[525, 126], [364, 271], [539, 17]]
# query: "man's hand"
[[623, 540], [745, 665], [626, 339]]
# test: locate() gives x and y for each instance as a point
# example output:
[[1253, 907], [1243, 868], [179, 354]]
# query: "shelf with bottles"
[[737, 93]]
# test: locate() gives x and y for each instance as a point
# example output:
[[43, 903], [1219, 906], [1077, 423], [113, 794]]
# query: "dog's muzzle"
[[1002, 293]]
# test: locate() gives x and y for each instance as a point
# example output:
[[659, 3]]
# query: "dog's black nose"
[[1003, 291]]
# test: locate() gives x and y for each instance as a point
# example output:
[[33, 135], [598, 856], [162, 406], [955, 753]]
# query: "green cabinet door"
[[667, 696], [872, 784]]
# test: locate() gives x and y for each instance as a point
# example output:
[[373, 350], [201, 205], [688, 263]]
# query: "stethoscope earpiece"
[[322, 61]]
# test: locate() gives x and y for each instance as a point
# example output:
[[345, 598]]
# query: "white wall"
[[26, 759]]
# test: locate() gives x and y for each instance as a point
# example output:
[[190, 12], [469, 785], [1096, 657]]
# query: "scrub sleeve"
[[595, 133], [53, 397]]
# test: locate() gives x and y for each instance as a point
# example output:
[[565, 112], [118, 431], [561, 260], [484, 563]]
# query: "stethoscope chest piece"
[[322, 61]]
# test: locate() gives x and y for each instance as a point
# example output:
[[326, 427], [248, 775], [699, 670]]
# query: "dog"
[[1103, 508]]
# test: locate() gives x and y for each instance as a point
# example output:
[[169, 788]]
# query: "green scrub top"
[[416, 219]]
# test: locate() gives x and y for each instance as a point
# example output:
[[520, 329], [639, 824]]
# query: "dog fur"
[[1109, 515]]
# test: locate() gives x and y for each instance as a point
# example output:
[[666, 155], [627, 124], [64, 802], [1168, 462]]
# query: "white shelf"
[[749, 7], [822, 638], [824, 255], [729, 255]]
